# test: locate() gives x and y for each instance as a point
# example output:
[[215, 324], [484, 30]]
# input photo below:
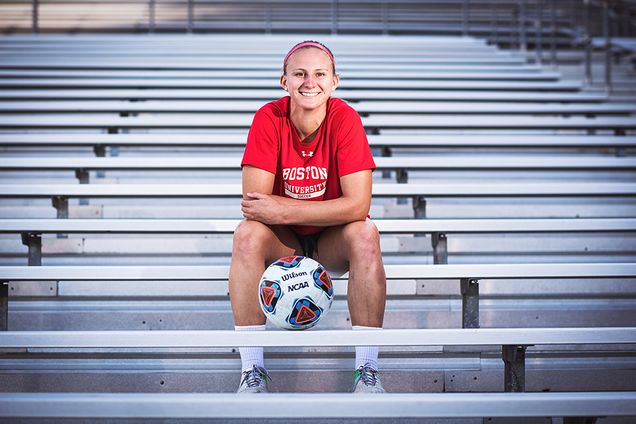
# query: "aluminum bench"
[[136, 60], [303, 406], [394, 84], [174, 69], [363, 107], [274, 93], [60, 193], [31, 230], [273, 75], [102, 141], [270, 41], [512, 341], [374, 122], [401, 164], [467, 274]]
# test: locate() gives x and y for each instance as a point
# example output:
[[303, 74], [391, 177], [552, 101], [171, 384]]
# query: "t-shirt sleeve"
[[261, 150], [354, 153]]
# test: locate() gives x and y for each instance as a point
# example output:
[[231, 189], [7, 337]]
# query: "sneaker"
[[367, 380], [254, 381]]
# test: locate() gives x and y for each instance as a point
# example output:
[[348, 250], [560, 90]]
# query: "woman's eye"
[[320, 74], [299, 74]]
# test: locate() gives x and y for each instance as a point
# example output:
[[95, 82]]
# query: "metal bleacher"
[[505, 197]]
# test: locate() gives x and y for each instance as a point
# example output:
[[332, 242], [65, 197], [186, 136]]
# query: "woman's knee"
[[363, 238], [250, 238]]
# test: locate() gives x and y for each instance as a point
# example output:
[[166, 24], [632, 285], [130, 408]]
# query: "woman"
[[307, 190]]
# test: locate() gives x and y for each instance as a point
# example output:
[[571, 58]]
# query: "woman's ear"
[[283, 82], [336, 81]]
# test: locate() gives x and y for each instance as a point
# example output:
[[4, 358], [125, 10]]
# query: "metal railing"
[[570, 24], [467, 16]]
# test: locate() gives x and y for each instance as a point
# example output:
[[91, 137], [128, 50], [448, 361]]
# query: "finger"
[[257, 195]]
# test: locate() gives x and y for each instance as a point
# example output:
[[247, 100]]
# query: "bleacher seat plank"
[[340, 405], [171, 69], [187, 52], [138, 48], [318, 338], [137, 60], [154, 54], [394, 226], [437, 162], [268, 40], [431, 189], [395, 84], [376, 121], [237, 62], [273, 75], [271, 94], [396, 272], [363, 107], [396, 140]]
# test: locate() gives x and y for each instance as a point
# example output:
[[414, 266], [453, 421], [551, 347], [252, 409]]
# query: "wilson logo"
[[293, 275]]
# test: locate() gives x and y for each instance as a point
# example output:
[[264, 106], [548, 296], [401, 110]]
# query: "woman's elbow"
[[360, 212]]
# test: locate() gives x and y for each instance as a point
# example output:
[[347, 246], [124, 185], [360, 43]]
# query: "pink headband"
[[308, 44]]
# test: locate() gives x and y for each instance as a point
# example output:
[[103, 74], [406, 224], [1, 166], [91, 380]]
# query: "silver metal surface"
[[271, 83], [215, 162], [432, 189], [393, 226], [475, 271], [120, 405], [274, 74], [251, 106], [224, 338], [239, 140], [386, 121], [273, 93]]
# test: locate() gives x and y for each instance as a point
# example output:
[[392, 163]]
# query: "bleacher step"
[[439, 311]]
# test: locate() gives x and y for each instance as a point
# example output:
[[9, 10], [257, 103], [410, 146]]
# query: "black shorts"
[[308, 244]]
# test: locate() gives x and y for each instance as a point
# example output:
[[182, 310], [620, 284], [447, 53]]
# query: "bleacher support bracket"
[[34, 242], [470, 302]]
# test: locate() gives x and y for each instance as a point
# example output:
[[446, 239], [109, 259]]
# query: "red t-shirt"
[[308, 171]]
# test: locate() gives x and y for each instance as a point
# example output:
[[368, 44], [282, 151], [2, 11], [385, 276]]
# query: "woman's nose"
[[309, 80]]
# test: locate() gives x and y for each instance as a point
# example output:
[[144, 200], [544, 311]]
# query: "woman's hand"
[[263, 208]]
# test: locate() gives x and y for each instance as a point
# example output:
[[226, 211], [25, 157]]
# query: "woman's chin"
[[309, 103]]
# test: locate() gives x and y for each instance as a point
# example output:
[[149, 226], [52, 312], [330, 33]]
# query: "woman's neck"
[[306, 122]]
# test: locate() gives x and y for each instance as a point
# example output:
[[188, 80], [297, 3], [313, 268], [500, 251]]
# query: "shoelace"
[[368, 375], [254, 377]]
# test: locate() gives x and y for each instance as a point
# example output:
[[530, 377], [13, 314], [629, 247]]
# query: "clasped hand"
[[263, 208]]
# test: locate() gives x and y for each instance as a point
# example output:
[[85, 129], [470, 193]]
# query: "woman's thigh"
[[267, 241], [336, 243]]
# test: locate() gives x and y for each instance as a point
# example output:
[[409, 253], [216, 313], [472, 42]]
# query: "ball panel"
[[322, 280], [289, 262], [270, 293], [305, 314]]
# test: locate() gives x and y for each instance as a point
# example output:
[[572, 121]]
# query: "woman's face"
[[309, 78]]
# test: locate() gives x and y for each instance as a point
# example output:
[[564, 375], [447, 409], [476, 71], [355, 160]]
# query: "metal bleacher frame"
[[117, 119]]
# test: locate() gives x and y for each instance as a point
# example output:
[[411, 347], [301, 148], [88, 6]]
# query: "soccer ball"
[[295, 292]]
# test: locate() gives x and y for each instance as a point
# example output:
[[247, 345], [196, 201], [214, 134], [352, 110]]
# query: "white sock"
[[366, 355], [251, 356]]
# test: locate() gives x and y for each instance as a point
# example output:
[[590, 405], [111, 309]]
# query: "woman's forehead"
[[309, 56]]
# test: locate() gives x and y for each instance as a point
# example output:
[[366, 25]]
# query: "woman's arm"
[[260, 205]]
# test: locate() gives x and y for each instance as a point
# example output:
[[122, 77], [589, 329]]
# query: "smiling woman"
[[309, 76], [307, 191]]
